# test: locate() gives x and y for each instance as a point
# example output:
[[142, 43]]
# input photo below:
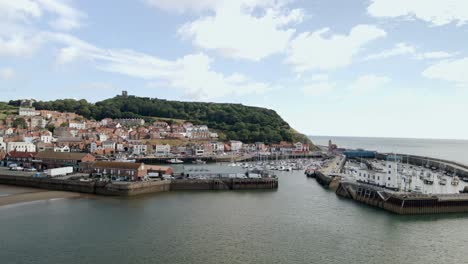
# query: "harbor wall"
[[323, 179], [403, 204], [138, 188], [49, 184]]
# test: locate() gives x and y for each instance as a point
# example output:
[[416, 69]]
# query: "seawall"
[[404, 203], [138, 188]]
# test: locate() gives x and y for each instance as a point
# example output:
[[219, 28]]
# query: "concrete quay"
[[403, 203], [138, 188]]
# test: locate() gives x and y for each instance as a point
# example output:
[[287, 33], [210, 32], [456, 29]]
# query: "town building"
[[133, 171], [23, 159], [27, 111], [77, 125], [49, 160], [162, 150], [21, 147], [235, 145]]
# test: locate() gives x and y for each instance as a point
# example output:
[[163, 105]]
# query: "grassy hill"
[[233, 121]]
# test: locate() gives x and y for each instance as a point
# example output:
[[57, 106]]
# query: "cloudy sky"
[[391, 68]]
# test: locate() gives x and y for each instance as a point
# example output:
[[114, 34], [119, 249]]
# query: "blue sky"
[[390, 68]]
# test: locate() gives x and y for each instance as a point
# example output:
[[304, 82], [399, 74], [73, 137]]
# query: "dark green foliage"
[[19, 123], [236, 121]]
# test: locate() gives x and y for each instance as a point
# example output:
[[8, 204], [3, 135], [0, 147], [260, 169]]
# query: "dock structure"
[[403, 203], [330, 174], [137, 188]]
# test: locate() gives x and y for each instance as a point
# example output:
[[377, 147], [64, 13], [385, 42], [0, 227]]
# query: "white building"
[[140, 149], [120, 147], [21, 147], [102, 137], [383, 175], [47, 138], [2, 144], [108, 144], [217, 147], [62, 149], [93, 147], [27, 111], [77, 125], [236, 146], [162, 150]]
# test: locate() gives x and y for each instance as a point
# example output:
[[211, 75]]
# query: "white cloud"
[[66, 17], [321, 50], [7, 73], [449, 70], [399, 49], [436, 12], [191, 74], [368, 83], [238, 30], [435, 55], [318, 88], [407, 49], [183, 5], [19, 44]]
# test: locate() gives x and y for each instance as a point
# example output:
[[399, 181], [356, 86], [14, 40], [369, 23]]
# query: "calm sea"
[[301, 222], [456, 150]]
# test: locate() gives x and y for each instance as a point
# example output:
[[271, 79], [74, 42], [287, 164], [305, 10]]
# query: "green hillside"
[[233, 121]]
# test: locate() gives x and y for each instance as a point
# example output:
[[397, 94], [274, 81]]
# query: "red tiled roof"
[[19, 155]]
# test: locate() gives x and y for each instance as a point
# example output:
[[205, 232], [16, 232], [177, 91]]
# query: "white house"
[[77, 125], [217, 147], [108, 144], [27, 111], [2, 144], [120, 147], [21, 147], [140, 149], [65, 148], [162, 150], [93, 147], [236, 146], [385, 175], [102, 137], [47, 138]]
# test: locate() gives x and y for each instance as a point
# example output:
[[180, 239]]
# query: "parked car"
[[30, 169], [17, 168]]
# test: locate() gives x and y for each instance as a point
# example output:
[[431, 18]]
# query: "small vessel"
[[175, 161], [199, 161], [455, 181], [428, 181], [443, 181]]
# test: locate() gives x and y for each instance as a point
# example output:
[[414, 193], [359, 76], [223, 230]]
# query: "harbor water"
[[301, 222]]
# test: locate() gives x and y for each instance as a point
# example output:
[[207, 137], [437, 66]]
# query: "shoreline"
[[19, 195]]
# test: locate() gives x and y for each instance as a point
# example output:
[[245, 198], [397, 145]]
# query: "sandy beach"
[[12, 195]]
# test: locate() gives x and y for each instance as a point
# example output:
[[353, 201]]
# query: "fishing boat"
[[199, 161], [175, 161], [455, 181], [443, 181]]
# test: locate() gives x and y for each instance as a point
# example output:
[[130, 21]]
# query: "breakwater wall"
[[224, 184], [138, 188], [404, 203], [323, 179]]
